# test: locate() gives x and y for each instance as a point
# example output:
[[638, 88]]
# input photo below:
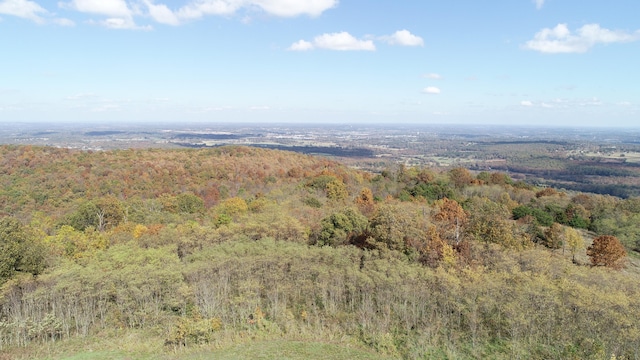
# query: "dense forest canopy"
[[207, 246]]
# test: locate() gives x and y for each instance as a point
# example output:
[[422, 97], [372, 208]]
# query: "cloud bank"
[[121, 14], [561, 40]]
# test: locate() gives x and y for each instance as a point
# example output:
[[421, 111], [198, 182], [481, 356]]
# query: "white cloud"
[[283, 8], [539, 4], [561, 40], [433, 76], [111, 8], [342, 41], [162, 14], [119, 14], [431, 90], [24, 9], [526, 103], [201, 8], [290, 8], [301, 46], [345, 41], [121, 24], [403, 38], [32, 11]]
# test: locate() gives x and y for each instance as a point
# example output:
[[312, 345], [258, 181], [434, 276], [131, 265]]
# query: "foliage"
[[574, 241], [554, 236], [336, 190], [393, 228], [213, 246], [189, 203], [607, 250], [341, 227], [19, 251]]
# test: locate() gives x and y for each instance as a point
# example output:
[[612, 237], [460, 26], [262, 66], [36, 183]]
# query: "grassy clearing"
[[289, 350], [631, 157], [132, 345]]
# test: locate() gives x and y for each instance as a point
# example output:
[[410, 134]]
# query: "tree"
[[553, 236], [234, 206], [574, 240], [451, 217], [338, 228], [189, 203], [337, 190], [608, 251], [488, 223], [102, 214], [19, 251], [365, 202], [460, 177], [437, 251]]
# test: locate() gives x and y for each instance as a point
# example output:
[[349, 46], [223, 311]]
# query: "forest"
[[176, 253]]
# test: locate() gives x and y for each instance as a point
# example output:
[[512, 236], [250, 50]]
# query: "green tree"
[[101, 214], [19, 251], [393, 227], [488, 222], [338, 228], [189, 203]]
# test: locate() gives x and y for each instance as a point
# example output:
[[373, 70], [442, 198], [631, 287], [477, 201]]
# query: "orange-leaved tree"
[[607, 250]]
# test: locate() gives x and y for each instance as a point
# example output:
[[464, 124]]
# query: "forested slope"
[[214, 247]]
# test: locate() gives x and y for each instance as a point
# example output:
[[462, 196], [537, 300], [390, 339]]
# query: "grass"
[[131, 345], [288, 350]]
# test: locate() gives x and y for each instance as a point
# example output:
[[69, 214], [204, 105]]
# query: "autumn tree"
[[553, 236], [450, 218], [234, 206], [608, 251], [574, 241], [460, 177], [365, 202], [336, 190], [437, 251]]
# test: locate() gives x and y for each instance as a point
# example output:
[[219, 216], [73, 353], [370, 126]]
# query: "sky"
[[515, 62]]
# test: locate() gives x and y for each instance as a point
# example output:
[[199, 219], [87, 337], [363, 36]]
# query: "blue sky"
[[541, 62]]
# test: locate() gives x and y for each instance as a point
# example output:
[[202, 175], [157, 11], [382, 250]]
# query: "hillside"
[[176, 253]]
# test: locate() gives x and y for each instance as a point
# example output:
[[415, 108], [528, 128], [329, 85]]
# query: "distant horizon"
[[125, 124]]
